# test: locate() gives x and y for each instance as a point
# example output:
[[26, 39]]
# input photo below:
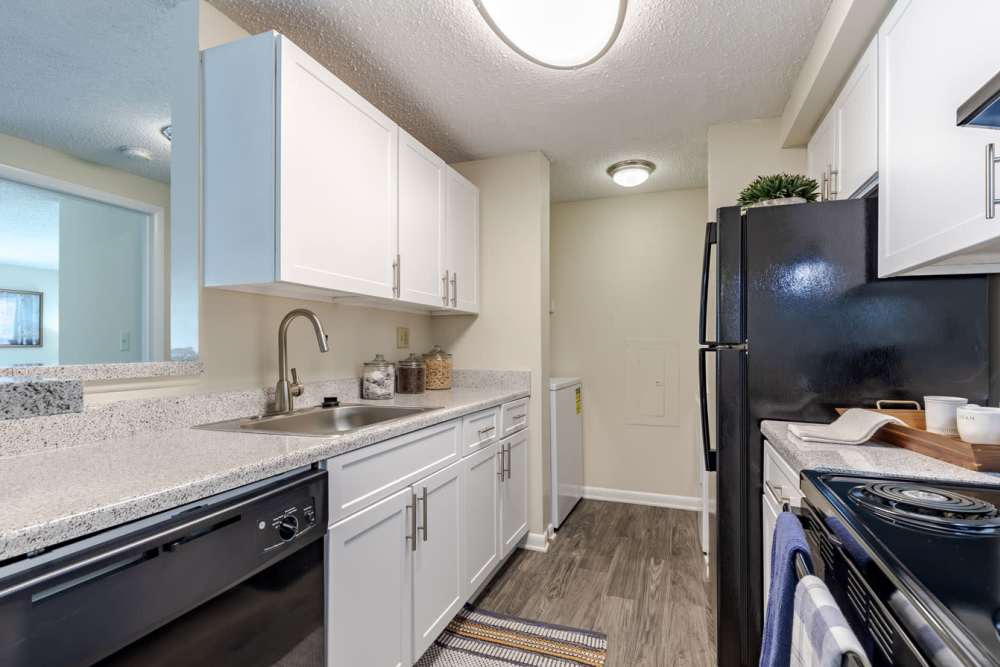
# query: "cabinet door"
[[437, 562], [336, 181], [769, 516], [932, 57], [857, 127], [369, 613], [421, 224], [481, 511], [821, 153], [514, 491], [462, 241]]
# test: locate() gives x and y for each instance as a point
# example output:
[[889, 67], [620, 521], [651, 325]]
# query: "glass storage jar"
[[378, 381], [439, 367], [411, 375]]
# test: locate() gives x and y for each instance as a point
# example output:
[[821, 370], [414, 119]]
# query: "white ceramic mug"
[[979, 425], [941, 413]]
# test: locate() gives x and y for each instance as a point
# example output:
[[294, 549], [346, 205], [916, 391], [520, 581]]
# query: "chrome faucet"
[[285, 391]]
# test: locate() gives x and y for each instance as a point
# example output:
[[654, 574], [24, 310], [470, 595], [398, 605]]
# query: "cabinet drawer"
[[480, 430], [513, 416], [780, 481], [365, 476]]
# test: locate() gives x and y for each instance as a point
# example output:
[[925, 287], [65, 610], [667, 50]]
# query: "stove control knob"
[[288, 528]]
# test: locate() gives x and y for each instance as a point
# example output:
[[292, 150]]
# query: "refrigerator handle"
[[706, 438], [711, 239]]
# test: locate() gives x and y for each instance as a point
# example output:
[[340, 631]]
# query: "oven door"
[[860, 590]]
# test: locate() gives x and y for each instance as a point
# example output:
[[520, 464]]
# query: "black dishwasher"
[[236, 579]]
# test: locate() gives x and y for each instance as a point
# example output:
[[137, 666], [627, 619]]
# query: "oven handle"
[[157, 539]]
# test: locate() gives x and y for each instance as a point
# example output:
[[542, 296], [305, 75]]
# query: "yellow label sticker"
[[579, 400]]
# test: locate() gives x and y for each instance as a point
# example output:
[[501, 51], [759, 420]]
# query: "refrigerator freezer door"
[[567, 450]]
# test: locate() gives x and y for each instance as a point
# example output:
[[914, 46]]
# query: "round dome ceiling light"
[[561, 34], [136, 153], [630, 173]]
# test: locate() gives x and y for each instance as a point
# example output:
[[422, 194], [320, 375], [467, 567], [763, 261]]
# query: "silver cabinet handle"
[[776, 492], [519, 418], [423, 499], [454, 289], [991, 181], [396, 287], [488, 429], [831, 188], [822, 186], [500, 466], [412, 509], [506, 470], [444, 284]]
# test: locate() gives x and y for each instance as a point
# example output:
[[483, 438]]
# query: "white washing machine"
[[566, 401]]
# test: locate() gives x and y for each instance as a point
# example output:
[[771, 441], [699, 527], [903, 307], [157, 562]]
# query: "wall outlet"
[[402, 337], [125, 341]]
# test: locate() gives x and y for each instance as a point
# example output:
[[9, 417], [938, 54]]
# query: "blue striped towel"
[[821, 636]]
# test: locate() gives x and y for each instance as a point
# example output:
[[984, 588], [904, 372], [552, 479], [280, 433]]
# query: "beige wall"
[[510, 332], [622, 268], [739, 152], [40, 159]]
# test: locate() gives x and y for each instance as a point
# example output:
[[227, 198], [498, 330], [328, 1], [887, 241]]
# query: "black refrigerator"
[[802, 326]]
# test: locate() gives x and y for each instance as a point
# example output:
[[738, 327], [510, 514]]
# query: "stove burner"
[[927, 507]]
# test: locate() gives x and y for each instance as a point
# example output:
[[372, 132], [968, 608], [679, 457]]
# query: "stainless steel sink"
[[320, 422]]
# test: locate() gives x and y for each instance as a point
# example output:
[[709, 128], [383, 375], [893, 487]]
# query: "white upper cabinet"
[[336, 181], [310, 191], [857, 128], [843, 153], [932, 208], [421, 224], [462, 242], [821, 155], [300, 175]]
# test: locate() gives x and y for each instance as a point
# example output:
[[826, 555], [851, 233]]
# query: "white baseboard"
[[535, 542], [642, 498]]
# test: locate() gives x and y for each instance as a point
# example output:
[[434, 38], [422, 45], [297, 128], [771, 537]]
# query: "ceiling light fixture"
[[168, 132], [630, 173], [561, 34], [135, 153]]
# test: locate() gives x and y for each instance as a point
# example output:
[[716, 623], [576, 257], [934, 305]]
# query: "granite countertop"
[[872, 457], [55, 495]]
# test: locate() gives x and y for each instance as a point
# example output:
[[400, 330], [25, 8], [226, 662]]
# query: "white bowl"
[[979, 425], [940, 413]]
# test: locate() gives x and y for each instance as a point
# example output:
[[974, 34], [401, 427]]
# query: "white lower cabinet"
[[514, 491], [481, 505], [368, 580], [438, 592], [402, 564]]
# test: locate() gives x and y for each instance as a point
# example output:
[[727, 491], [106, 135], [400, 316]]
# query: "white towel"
[[821, 636], [852, 428]]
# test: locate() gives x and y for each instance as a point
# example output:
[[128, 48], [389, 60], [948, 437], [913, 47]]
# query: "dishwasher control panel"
[[286, 522]]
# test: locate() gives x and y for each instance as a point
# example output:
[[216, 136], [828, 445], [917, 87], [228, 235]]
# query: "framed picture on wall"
[[20, 318]]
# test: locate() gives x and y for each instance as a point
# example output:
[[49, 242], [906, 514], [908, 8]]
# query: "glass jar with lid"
[[439, 368], [411, 375], [378, 380]]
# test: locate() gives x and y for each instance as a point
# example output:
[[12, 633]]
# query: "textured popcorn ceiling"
[[438, 70], [87, 76]]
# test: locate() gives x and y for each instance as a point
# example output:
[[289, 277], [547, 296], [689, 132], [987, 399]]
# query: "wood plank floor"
[[630, 571]]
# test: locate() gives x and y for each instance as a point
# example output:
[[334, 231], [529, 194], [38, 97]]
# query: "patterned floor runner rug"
[[479, 638]]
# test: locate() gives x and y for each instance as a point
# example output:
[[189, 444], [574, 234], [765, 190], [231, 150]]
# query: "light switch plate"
[[402, 337]]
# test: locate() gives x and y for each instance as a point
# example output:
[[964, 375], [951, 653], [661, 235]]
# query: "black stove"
[[914, 564]]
